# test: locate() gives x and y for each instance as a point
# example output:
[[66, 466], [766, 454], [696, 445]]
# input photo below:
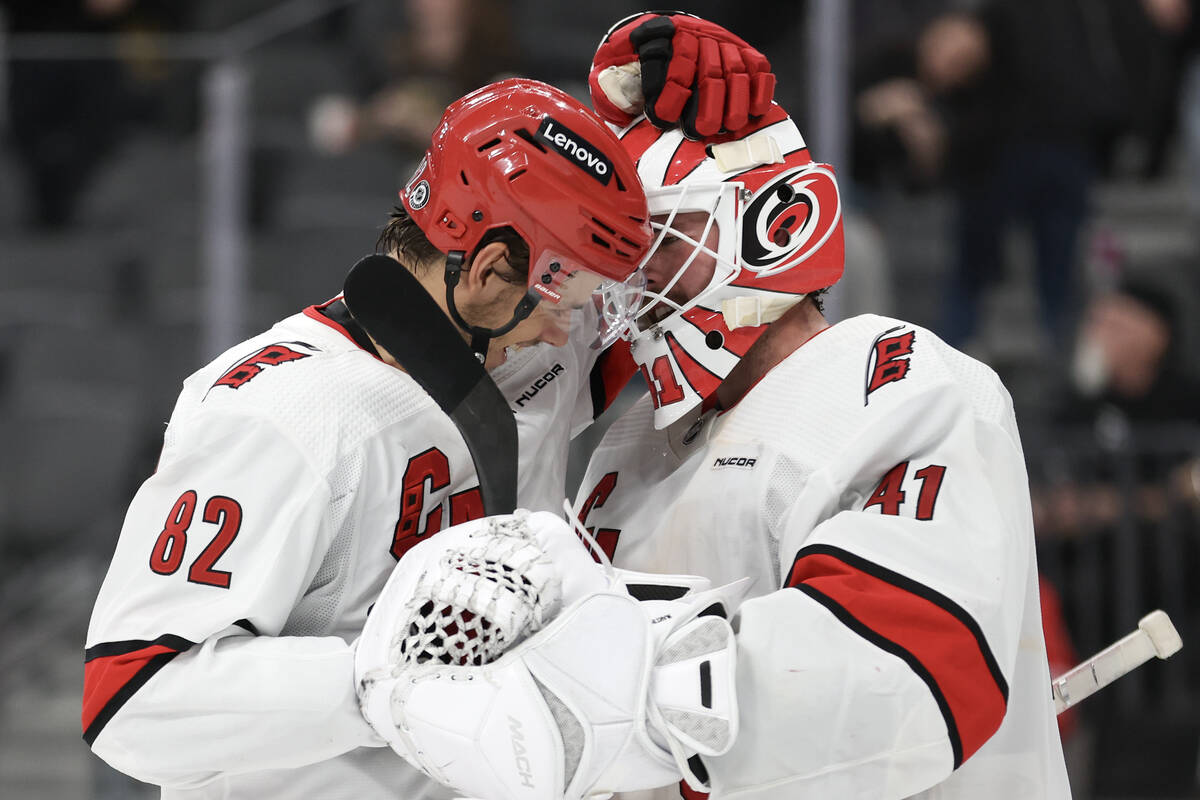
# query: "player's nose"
[[657, 272]]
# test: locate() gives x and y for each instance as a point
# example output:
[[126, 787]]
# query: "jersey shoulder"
[[864, 372], [876, 360], [308, 380]]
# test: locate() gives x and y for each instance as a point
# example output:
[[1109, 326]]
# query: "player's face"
[[674, 253], [1132, 339], [547, 323]]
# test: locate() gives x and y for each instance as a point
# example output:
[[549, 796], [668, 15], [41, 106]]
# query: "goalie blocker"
[[503, 661]]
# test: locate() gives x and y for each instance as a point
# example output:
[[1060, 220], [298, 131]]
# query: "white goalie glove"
[[502, 660]]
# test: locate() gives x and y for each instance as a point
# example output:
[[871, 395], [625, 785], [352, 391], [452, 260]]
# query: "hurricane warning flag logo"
[[790, 219], [249, 368], [888, 360]]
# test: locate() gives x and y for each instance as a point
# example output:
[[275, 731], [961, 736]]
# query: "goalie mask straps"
[[481, 336]]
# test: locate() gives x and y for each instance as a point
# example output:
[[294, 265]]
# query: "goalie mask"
[[524, 155], [744, 229]]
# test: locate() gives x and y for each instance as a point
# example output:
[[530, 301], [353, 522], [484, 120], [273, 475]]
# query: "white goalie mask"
[[752, 225]]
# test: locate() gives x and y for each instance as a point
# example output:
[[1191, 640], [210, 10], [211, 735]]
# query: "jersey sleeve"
[[883, 661], [186, 676]]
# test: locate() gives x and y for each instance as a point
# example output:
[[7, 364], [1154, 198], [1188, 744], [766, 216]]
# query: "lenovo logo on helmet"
[[575, 149]]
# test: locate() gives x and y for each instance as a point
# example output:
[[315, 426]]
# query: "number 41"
[[889, 494]]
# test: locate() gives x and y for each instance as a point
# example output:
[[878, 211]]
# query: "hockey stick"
[[1155, 636], [399, 314]]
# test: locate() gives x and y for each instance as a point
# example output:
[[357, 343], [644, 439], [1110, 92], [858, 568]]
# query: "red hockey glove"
[[681, 70]]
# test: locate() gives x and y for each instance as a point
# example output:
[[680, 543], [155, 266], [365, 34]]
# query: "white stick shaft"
[[1155, 636], [1102, 669]]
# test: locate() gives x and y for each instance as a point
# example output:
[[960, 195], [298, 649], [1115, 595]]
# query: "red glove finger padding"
[[695, 74]]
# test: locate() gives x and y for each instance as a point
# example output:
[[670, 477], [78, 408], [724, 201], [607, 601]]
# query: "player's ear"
[[488, 273]]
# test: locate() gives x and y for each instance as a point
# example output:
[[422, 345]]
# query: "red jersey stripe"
[[110, 680], [934, 635]]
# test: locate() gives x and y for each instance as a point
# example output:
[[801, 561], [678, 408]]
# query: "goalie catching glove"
[[502, 660], [679, 70]]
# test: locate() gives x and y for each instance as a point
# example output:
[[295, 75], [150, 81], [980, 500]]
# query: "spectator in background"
[[1005, 105], [1155, 40], [64, 114], [1127, 381], [1127, 360], [1116, 499], [439, 50], [68, 115], [898, 137], [424, 53]]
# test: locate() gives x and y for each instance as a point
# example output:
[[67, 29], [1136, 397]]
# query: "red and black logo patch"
[[790, 219], [886, 362], [269, 356]]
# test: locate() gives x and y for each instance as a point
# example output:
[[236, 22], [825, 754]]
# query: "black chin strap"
[[481, 336]]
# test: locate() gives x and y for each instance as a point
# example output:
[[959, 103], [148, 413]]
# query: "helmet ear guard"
[[481, 336]]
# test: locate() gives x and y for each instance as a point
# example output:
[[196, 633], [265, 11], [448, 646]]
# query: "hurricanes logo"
[[887, 361], [789, 219], [249, 368]]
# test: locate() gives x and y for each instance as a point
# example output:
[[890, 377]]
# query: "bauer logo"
[[576, 149]]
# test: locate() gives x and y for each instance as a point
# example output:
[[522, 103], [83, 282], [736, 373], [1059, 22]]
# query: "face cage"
[[616, 305], [722, 202], [566, 288]]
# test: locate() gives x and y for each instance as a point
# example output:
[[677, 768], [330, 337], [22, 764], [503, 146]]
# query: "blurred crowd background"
[[1021, 176]]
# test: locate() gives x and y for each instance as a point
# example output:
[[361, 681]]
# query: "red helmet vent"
[[519, 148]]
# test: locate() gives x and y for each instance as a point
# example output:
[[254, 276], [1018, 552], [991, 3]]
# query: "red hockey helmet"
[[522, 154], [779, 223]]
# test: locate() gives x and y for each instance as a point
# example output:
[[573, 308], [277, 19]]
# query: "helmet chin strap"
[[481, 336]]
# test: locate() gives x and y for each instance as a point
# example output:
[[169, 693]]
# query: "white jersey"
[[296, 469], [548, 389], [873, 485]]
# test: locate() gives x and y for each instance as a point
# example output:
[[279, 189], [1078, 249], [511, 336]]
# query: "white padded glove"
[[501, 660]]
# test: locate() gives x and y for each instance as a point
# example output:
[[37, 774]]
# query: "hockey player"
[[867, 476], [300, 465]]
